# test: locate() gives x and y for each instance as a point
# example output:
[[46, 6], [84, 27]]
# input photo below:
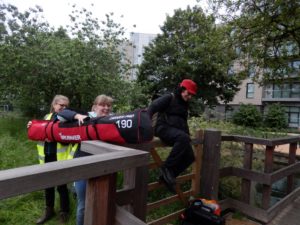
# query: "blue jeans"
[[80, 187]]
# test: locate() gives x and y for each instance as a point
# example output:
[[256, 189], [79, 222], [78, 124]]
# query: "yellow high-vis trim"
[[73, 150], [62, 150]]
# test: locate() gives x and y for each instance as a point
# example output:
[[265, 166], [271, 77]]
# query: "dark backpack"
[[155, 115], [199, 212]]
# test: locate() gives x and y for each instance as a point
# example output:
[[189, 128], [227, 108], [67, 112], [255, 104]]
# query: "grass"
[[17, 151]]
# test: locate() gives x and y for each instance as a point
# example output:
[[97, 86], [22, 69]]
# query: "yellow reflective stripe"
[[48, 116], [72, 153], [40, 145], [73, 149]]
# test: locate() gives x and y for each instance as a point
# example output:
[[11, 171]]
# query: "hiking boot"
[[168, 175], [48, 214], [169, 186], [63, 217]]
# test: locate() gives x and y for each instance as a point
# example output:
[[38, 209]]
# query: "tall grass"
[[17, 151]]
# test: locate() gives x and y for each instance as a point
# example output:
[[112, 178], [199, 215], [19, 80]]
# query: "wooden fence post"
[[137, 179], [211, 164], [196, 169], [246, 183], [141, 193], [100, 204], [267, 189], [292, 160]]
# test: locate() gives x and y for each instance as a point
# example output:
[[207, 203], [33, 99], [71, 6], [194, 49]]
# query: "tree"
[[80, 61], [247, 115], [267, 33], [191, 46], [275, 117]]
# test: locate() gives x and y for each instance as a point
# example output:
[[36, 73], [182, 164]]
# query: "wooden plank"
[[267, 189], [137, 179], [156, 157], [292, 160], [248, 174], [100, 200], [37, 177], [123, 217], [261, 141], [164, 220], [263, 178], [129, 183], [284, 172], [211, 164], [197, 165], [181, 179], [142, 146], [181, 195], [246, 183], [100, 147], [139, 204], [283, 203], [165, 201], [226, 137]]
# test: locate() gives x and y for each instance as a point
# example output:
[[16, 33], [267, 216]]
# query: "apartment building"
[[287, 93], [134, 51]]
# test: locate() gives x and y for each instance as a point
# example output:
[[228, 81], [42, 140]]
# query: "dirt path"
[[285, 149], [281, 148]]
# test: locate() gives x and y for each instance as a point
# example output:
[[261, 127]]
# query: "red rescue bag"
[[132, 127], [37, 130]]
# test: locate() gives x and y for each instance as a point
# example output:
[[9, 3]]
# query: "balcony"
[[287, 95]]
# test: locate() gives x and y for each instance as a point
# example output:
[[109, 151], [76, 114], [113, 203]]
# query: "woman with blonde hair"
[[101, 107], [51, 152]]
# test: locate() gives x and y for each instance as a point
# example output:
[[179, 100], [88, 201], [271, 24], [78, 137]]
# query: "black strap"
[[52, 132]]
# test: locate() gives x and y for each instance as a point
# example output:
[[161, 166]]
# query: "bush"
[[248, 115], [275, 117]]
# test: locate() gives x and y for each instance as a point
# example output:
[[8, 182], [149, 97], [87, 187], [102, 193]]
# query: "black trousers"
[[181, 155], [62, 190]]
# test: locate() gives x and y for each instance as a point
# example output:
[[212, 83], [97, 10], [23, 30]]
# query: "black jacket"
[[172, 111]]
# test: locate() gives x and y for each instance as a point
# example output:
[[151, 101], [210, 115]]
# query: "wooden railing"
[[100, 170], [266, 212], [180, 196]]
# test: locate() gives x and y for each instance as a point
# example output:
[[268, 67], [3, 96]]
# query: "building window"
[[282, 91], [250, 90], [230, 70], [251, 71], [293, 115], [285, 91]]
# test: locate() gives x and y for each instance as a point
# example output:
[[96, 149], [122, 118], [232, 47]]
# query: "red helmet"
[[189, 85]]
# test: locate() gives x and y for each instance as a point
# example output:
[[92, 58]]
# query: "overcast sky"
[[147, 15]]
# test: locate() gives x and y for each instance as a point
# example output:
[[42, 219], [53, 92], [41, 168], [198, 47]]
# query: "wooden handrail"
[[100, 171], [266, 178], [101, 168], [36, 177]]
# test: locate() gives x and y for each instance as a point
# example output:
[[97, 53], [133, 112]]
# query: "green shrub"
[[275, 117], [248, 115]]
